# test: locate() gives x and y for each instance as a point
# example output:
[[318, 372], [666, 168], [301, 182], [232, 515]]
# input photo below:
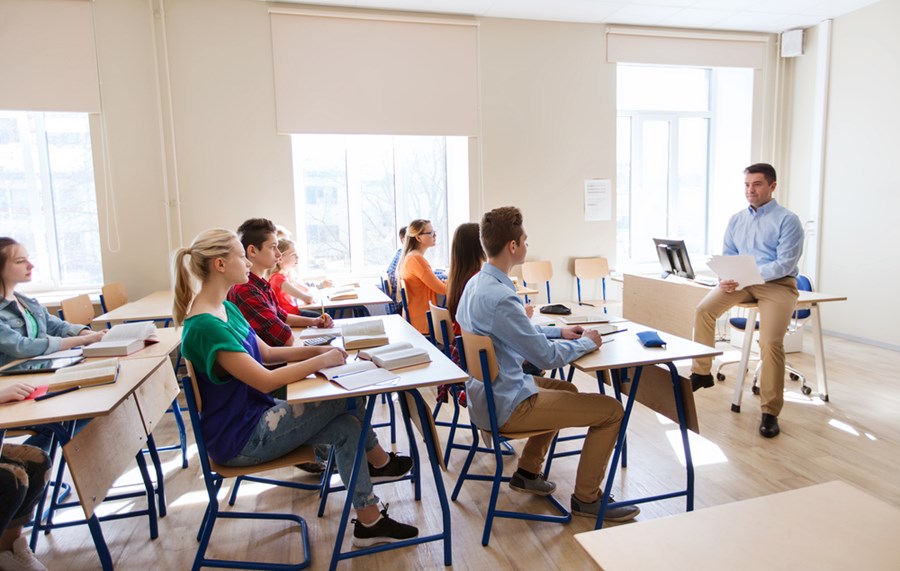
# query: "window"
[[353, 192], [683, 140], [47, 196]]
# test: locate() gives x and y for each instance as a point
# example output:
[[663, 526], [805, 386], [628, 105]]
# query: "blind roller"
[[672, 47], [364, 74], [47, 56]]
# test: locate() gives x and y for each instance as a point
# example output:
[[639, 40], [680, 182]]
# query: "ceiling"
[[746, 15]]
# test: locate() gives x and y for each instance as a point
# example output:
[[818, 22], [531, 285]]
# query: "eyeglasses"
[[432, 233]]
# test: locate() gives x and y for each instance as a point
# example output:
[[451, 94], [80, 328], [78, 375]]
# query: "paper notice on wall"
[[597, 199]]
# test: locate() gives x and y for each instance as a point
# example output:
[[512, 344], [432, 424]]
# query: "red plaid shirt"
[[258, 304]]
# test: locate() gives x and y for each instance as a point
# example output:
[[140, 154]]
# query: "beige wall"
[[859, 227], [548, 112]]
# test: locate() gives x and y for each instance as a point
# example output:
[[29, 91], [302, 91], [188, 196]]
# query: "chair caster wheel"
[[806, 390], [755, 390], [720, 377], [795, 377]]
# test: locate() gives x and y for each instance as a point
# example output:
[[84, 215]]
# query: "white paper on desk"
[[362, 379], [741, 269], [74, 352]]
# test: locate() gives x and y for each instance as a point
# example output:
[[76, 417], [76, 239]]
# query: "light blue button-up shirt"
[[489, 306], [772, 234]]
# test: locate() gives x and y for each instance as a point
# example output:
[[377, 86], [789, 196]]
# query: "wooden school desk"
[[157, 305], [365, 295], [826, 527], [439, 371], [669, 305], [105, 448], [622, 351]]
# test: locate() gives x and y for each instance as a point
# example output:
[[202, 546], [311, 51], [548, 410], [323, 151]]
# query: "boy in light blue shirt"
[[489, 306]]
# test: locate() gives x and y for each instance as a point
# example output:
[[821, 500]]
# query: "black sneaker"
[[396, 468], [385, 530], [616, 514], [314, 468]]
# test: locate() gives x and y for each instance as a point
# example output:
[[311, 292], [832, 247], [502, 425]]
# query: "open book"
[[364, 334], [340, 293], [358, 374], [582, 319], [84, 375], [367, 354], [123, 339], [401, 358], [311, 332]]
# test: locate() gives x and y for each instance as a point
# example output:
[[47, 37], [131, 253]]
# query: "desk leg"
[[819, 348], [745, 360], [685, 440]]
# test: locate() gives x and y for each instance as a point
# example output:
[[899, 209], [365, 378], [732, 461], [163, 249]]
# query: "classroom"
[[191, 109]]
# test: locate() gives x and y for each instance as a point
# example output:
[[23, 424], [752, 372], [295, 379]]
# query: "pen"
[[57, 393], [613, 332]]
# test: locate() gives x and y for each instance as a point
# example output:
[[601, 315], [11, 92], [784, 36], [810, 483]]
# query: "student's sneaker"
[[396, 468], [385, 530], [614, 514], [539, 486], [21, 558]]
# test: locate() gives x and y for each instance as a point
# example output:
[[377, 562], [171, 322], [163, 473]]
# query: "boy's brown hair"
[[499, 227]]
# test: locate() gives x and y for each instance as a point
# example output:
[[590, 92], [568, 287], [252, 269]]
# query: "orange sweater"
[[422, 286]]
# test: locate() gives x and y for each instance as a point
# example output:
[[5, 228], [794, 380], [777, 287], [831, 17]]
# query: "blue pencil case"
[[650, 339]]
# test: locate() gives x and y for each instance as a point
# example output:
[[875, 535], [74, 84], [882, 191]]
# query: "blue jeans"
[[285, 427]]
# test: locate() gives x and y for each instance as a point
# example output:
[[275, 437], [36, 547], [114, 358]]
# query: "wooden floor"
[[855, 437]]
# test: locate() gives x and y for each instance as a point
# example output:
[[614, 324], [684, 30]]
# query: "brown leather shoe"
[[768, 427]]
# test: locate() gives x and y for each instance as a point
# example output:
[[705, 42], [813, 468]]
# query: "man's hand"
[[529, 310], [572, 332], [728, 286], [594, 336]]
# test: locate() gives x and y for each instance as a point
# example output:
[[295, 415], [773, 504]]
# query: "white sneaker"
[[21, 558]]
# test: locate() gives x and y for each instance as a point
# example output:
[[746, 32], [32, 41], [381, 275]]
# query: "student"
[[26, 328], [773, 235], [241, 423], [284, 287], [24, 471], [489, 306], [255, 298], [422, 285], [466, 259], [396, 307]]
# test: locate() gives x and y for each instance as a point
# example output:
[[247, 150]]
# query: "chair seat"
[[741, 323], [298, 456]]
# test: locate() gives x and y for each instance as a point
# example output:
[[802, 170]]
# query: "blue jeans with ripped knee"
[[285, 426]]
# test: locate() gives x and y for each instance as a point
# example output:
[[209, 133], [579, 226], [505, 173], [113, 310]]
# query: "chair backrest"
[[591, 268], [113, 296], [443, 326], [803, 284], [403, 301], [386, 286], [473, 345], [78, 309], [194, 387], [537, 271]]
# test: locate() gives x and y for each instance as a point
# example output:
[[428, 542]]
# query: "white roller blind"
[[675, 47], [47, 56], [370, 74]]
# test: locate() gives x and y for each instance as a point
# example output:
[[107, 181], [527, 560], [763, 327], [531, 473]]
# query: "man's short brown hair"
[[499, 227]]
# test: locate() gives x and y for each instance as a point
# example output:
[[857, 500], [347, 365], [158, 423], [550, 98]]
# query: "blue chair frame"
[[213, 482], [486, 358]]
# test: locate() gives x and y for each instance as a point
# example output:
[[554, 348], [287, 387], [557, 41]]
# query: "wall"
[[548, 112], [859, 229]]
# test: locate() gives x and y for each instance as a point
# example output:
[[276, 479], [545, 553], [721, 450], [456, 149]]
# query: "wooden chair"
[[479, 355], [536, 272], [214, 474], [78, 309], [113, 296], [591, 269], [403, 300], [440, 327]]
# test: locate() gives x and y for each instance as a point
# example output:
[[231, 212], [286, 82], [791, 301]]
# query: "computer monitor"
[[673, 257]]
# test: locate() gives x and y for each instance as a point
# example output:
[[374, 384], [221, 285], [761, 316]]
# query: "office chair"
[[798, 320]]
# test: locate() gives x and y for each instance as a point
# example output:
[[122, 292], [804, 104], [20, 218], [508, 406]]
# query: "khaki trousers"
[[776, 301], [557, 405]]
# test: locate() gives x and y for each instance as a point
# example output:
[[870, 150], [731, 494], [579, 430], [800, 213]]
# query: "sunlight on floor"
[[703, 451], [843, 426]]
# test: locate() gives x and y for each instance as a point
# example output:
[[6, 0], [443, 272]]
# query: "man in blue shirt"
[[489, 306], [392, 275], [774, 236]]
